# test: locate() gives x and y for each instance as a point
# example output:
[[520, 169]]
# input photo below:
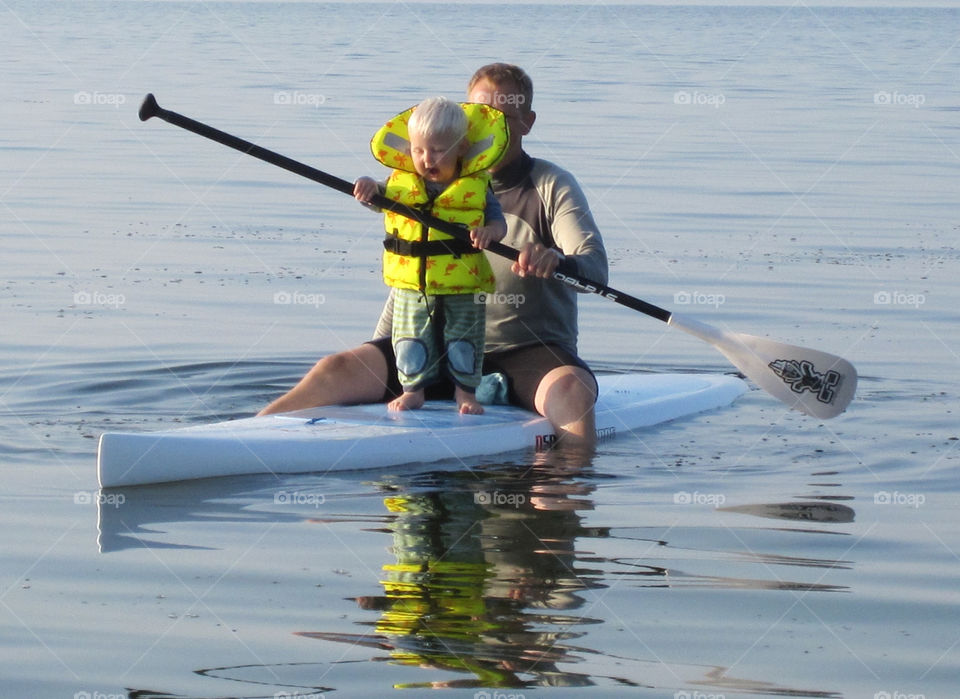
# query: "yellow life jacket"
[[439, 269]]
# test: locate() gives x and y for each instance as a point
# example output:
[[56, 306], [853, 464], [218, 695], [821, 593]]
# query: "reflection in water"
[[490, 582], [481, 565], [801, 511], [487, 583], [134, 517]]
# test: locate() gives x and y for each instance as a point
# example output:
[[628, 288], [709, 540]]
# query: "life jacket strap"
[[429, 248]]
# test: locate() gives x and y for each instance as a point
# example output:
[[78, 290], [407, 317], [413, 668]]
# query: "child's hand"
[[483, 236], [364, 189]]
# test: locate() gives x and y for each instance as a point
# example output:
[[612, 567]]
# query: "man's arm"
[[572, 227]]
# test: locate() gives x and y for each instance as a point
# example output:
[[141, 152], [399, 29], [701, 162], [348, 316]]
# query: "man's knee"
[[568, 388], [359, 363], [574, 384], [566, 397], [354, 376], [334, 365]]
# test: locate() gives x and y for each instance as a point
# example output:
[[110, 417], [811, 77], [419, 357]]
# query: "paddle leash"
[[813, 382]]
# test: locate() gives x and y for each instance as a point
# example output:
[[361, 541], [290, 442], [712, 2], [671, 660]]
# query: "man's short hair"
[[502, 74]]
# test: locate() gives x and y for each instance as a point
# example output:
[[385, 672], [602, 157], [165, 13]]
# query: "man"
[[532, 318]]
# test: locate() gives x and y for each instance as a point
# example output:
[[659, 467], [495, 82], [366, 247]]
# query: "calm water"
[[789, 172]]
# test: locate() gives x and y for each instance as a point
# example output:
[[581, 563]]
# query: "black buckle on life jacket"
[[429, 248]]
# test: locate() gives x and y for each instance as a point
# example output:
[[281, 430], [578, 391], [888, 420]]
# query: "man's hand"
[[536, 260]]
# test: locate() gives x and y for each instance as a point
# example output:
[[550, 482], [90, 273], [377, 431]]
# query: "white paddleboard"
[[341, 438]]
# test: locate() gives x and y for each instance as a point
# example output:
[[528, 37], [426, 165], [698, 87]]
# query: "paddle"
[[814, 382]]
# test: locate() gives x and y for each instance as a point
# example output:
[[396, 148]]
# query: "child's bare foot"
[[407, 401], [467, 402]]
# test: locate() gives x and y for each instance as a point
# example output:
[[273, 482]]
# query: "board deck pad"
[[339, 438]]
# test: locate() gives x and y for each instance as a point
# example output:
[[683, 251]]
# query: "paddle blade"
[[814, 382]]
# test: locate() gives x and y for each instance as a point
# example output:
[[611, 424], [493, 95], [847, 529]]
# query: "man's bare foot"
[[407, 401], [467, 402]]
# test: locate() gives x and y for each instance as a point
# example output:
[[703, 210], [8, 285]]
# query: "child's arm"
[[364, 189], [492, 232], [496, 225]]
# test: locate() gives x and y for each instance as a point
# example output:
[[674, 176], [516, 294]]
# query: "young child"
[[440, 151]]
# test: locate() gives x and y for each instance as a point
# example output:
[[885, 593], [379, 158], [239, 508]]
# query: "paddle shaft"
[[566, 270]]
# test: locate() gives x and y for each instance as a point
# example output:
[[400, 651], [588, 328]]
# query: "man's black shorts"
[[524, 368]]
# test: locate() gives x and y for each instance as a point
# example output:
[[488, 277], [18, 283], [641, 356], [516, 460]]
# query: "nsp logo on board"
[[545, 441]]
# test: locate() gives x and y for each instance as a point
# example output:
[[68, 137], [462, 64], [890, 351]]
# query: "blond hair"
[[439, 117]]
